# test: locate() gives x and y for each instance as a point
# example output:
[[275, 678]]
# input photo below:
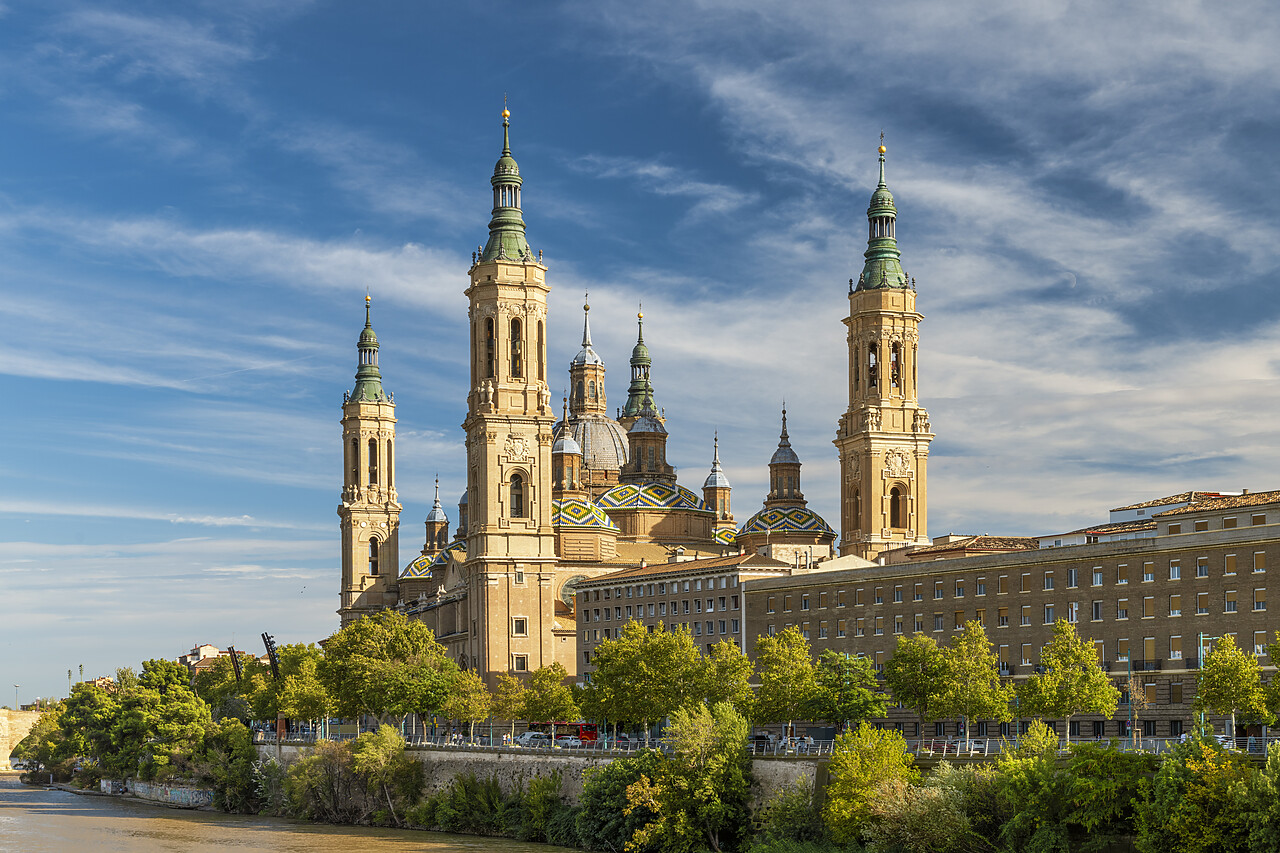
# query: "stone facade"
[[1146, 603], [14, 727]]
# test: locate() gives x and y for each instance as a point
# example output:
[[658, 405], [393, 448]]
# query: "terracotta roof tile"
[[745, 561], [978, 543], [1181, 497], [1225, 502]]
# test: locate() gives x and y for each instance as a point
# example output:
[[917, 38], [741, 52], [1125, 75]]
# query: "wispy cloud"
[[11, 506], [708, 198]]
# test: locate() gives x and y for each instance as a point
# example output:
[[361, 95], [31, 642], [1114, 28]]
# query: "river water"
[[35, 820]]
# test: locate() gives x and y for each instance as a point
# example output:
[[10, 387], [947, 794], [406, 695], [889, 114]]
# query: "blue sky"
[[194, 198]]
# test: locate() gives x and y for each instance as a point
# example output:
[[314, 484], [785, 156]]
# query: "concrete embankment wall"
[[441, 764], [172, 795]]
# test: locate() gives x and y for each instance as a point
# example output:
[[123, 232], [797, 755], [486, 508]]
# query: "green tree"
[[86, 720], [508, 700], [300, 693], [862, 761], [216, 684], [846, 691], [386, 665], [698, 797], [225, 761], [548, 699], [1272, 690], [786, 677], [160, 719], [47, 744], [379, 757], [606, 820], [469, 701], [642, 677], [1196, 803], [973, 689], [1071, 683], [1230, 682], [726, 677], [916, 675]]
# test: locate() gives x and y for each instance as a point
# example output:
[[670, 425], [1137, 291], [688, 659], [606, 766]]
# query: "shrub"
[[602, 821], [790, 815], [861, 762]]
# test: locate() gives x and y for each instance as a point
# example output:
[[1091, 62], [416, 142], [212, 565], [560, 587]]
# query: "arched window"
[[517, 495], [517, 350], [557, 473], [591, 390], [857, 507], [373, 461], [490, 345], [581, 394], [355, 461], [872, 373], [652, 457], [373, 557], [897, 507], [791, 485], [541, 368], [895, 365], [391, 469]]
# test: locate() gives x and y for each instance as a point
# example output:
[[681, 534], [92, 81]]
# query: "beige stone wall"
[[14, 726]]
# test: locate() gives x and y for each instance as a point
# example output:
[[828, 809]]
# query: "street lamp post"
[[15, 696]]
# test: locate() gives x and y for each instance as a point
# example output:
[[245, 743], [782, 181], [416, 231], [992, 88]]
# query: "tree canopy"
[[846, 690], [1230, 682], [1071, 683], [786, 677], [916, 674]]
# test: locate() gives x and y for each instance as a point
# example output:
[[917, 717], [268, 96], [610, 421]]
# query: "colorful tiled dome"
[[651, 496], [422, 566], [789, 519], [726, 536], [579, 514]]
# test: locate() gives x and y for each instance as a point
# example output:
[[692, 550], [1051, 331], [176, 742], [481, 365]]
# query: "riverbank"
[[37, 819]]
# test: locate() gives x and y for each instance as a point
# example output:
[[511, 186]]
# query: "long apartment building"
[[1195, 569]]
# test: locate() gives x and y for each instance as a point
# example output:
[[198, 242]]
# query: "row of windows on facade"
[[1077, 728], [657, 588], [1228, 523], [1048, 581], [1121, 650], [656, 609], [373, 466], [516, 350], [895, 367], [697, 629]]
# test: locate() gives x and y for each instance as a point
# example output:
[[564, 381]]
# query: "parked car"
[[534, 739], [569, 742]]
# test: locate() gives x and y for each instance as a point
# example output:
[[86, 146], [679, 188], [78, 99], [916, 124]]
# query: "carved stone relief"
[[897, 464]]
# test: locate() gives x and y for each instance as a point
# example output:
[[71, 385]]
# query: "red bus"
[[584, 732]]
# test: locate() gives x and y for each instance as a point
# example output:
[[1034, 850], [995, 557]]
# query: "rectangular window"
[[628, 609], [1229, 605], [1097, 575], [520, 627], [697, 629], [724, 603], [1228, 565], [1175, 693], [734, 601], [1175, 570], [804, 602], [937, 621], [840, 623], [1228, 523], [685, 606], [1048, 614], [822, 630], [840, 599], [1073, 578], [959, 589], [772, 630], [981, 616], [822, 600], [1122, 573], [1148, 572], [662, 608], [1100, 650], [1202, 603], [897, 595], [1026, 582], [1097, 611], [1258, 519], [1175, 648], [1002, 654], [1260, 643], [1026, 614], [937, 590], [662, 590], [959, 619], [897, 624], [1259, 561], [1175, 528], [879, 661], [857, 598], [1202, 525], [858, 630], [1148, 648], [650, 609], [879, 626], [1073, 612], [1122, 608], [737, 626], [1048, 580], [1259, 599], [980, 588], [786, 604], [1122, 649], [1002, 584], [1026, 654], [1002, 617], [918, 592], [520, 663], [879, 595], [1149, 607], [1149, 691], [1175, 605]]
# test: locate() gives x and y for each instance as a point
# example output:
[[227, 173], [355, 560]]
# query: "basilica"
[[565, 494]]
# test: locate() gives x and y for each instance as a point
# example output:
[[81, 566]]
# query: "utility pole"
[[68, 684], [15, 696]]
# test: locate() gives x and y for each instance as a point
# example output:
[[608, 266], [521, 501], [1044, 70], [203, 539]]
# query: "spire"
[[716, 479], [368, 377], [640, 392], [883, 267], [506, 228], [784, 454], [437, 511], [586, 320], [586, 355]]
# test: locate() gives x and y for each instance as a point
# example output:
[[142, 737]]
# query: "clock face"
[[570, 589]]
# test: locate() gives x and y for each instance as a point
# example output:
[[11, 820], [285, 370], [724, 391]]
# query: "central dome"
[[602, 439]]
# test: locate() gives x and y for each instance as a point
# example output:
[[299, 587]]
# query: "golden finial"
[[367, 299], [586, 304], [506, 113], [882, 148]]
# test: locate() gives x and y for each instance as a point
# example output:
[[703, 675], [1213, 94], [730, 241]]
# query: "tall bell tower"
[[370, 512], [884, 436], [511, 556]]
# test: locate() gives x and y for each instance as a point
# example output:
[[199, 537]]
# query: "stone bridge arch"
[[14, 726]]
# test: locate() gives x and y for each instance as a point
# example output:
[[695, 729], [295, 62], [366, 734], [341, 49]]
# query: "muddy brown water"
[[36, 820]]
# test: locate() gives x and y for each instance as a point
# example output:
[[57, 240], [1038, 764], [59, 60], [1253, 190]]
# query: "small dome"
[[419, 568], [784, 455], [726, 536], [565, 444], [462, 501], [881, 201], [648, 423], [585, 356], [580, 515], [793, 519], [422, 566], [437, 513], [716, 480], [651, 496], [602, 441]]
